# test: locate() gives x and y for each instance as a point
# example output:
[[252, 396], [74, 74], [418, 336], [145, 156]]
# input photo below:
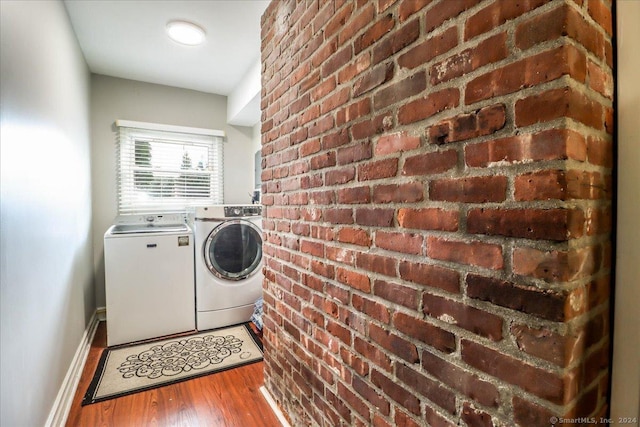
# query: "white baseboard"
[[101, 312], [274, 407], [62, 405]]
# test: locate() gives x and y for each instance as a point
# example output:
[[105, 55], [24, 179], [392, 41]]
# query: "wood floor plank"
[[225, 399]]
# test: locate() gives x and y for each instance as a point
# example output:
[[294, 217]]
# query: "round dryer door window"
[[233, 250]]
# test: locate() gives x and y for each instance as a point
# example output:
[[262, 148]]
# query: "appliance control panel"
[[242, 210]]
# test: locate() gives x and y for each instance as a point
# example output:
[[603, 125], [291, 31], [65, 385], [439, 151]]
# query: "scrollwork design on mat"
[[180, 356]]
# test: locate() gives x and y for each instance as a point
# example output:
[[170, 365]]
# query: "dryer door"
[[233, 249]]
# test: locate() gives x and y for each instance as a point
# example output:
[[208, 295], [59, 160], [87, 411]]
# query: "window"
[[168, 168]]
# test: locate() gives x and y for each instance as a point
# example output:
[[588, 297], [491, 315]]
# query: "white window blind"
[[167, 168]]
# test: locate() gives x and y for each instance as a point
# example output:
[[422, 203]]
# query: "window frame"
[[131, 201]]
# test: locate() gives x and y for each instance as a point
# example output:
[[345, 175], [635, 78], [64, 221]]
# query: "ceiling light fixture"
[[185, 33]]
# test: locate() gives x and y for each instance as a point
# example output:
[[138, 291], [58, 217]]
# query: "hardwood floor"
[[224, 399]]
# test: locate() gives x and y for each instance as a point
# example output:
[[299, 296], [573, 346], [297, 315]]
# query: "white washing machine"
[[149, 275], [228, 264]]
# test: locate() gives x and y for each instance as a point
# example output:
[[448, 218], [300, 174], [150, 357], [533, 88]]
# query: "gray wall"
[[46, 274], [625, 389], [112, 99]]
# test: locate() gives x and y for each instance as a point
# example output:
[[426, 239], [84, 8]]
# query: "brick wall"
[[437, 182]]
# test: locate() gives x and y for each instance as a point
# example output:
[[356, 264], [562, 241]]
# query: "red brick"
[[358, 65], [483, 122], [369, 128], [472, 319], [354, 195], [321, 125], [556, 266], [375, 217], [338, 331], [310, 81], [599, 221], [561, 21], [340, 176], [326, 87], [445, 10], [336, 61], [334, 408], [393, 343], [546, 304], [595, 364], [309, 147], [428, 219], [400, 91], [378, 170], [475, 417], [310, 180], [527, 413], [600, 79], [355, 280], [371, 396], [355, 236], [428, 106], [334, 100], [429, 49], [587, 185], [427, 387], [323, 197], [338, 216], [551, 144], [358, 364], [431, 275], [600, 11], [467, 383], [409, 7], [335, 139], [396, 142], [338, 20], [374, 33], [372, 353], [396, 293], [496, 14], [340, 254], [528, 72], [353, 401], [398, 193], [396, 41], [486, 52], [312, 248], [561, 350], [402, 419], [429, 334], [373, 309], [532, 379], [539, 224], [352, 26], [352, 112], [377, 76], [541, 185], [396, 392], [430, 163], [323, 160], [480, 189], [480, 254], [354, 153], [407, 243], [559, 103], [377, 263]]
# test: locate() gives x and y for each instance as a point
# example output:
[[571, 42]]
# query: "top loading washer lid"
[[148, 228]]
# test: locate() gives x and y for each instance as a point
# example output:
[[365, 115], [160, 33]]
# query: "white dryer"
[[228, 264]]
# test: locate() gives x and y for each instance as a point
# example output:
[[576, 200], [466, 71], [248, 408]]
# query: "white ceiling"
[[127, 39]]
